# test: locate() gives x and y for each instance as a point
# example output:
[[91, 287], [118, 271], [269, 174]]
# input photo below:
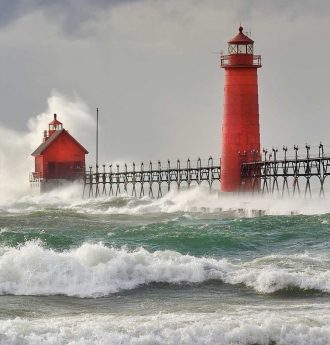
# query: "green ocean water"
[[188, 233], [187, 269]]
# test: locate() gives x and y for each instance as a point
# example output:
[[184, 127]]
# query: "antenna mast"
[[97, 139]]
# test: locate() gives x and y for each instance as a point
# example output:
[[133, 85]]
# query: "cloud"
[[149, 67], [70, 14]]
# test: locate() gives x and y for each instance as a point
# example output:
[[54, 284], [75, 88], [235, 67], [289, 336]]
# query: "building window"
[[232, 49], [250, 48], [241, 49]]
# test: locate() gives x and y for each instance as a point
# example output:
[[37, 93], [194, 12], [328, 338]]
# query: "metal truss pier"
[[295, 175], [300, 174], [148, 181]]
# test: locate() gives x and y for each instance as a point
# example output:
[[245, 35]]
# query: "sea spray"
[[16, 147], [197, 200]]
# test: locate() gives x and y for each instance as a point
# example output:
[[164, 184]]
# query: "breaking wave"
[[242, 327], [94, 270]]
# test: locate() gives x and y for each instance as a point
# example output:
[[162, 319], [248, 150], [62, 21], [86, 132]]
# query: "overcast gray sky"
[[152, 66]]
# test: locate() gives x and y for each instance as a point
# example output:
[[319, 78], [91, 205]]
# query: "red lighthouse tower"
[[59, 159], [240, 124]]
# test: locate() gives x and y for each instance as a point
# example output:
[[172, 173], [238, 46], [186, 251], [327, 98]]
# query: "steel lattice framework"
[[142, 182], [294, 175], [289, 176]]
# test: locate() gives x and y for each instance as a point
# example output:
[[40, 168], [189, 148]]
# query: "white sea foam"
[[193, 201], [200, 200], [239, 327], [94, 270]]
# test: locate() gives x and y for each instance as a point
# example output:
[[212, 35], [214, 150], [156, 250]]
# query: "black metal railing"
[[148, 179], [299, 174], [240, 60], [294, 175]]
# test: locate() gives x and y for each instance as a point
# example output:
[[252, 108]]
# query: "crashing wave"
[[94, 270], [243, 327]]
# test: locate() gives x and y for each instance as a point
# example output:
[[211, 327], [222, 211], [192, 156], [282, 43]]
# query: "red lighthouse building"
[[240, 124], [59, 159]]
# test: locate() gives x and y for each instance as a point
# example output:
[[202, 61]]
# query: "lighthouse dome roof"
[[241, 38], [55, 121]]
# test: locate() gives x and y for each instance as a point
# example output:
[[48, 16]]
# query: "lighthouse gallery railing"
[[227, 61]]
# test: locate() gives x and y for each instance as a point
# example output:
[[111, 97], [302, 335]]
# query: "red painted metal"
[[241, 38], [54, 126], [60, 156], [240, 126]]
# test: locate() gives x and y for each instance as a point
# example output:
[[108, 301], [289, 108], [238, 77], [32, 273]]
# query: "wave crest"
[[237, 328], [94, 270]]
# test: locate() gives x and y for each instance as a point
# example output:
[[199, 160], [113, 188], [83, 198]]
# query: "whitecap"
[[94, 270], [240, 327]]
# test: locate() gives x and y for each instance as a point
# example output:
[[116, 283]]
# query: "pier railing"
[[302, 173], [298, 174], [148, 179]]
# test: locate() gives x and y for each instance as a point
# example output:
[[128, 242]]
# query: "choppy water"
[[191, 268]]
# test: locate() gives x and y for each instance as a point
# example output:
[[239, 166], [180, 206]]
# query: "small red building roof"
[[55, 122], [240, 38], [52, 139]]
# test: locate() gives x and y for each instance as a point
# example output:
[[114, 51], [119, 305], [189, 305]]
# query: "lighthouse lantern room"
[[59, 159]]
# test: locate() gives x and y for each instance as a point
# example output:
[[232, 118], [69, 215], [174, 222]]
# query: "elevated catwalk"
[[149, 180], [299, 174]]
